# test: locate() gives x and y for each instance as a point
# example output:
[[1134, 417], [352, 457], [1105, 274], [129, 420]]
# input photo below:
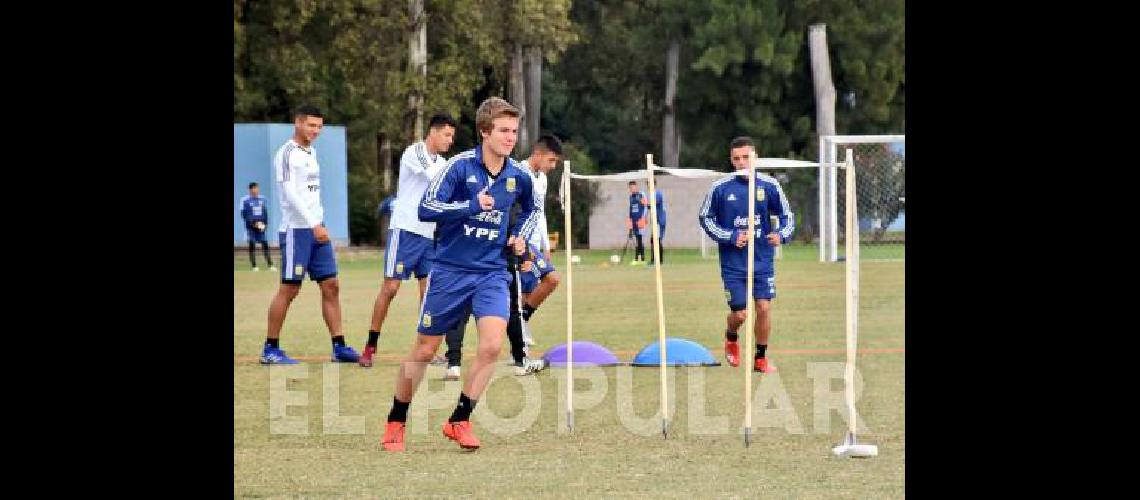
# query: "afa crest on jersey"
[[510, 184], [427, 320], [399, 267], [299, 270], [760, 194]]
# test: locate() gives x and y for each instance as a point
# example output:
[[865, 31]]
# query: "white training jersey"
[[538, 238], [298, 186], [417, 168]]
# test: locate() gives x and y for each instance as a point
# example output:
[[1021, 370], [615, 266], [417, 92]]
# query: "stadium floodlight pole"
[[749, 301], [850, 446], [569, 299], [660, 303]]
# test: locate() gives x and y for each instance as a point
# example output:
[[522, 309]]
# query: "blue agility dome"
[[678, 352]]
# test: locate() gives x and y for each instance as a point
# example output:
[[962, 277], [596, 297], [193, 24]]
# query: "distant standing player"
[[305, 244], [410, 240], [253, 212], [661, 217], [724, 216], [636, 221]]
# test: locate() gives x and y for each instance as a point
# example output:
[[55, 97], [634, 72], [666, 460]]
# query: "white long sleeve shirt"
[[299, 186]]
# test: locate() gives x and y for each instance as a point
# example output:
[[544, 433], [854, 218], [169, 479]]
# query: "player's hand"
[[774, 239], [526, 266], [486, 202], [742, 238], [641, 223], [320, 233], [517, 244], [259, 225]]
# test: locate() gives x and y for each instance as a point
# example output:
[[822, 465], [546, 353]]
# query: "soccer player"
[[661, 216], [468, 199], [636, 221], [724, 216], [256, 219], [544, 158], [410, 240], [305, 244]]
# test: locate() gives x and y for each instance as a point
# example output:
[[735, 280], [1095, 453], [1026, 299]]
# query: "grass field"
[[616, 448]]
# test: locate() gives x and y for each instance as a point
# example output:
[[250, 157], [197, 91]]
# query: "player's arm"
[[246, 213], [778, 205], [436, 204], [286, 174], [531, 204], [416, 161], [707, 218]]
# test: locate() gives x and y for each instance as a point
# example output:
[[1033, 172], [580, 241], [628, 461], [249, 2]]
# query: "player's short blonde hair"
[[493, 107]]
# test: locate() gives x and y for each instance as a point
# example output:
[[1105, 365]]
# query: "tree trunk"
[[517, 94], [384, 161], [824, 125], [533, 95], [671, 150], [417, 60]]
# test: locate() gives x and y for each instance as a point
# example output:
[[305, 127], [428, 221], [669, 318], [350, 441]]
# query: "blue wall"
[[254, 147]]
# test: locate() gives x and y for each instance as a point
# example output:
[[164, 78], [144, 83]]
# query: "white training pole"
[[750, 321], [569, 299], [850, 446], [660, 301], [852, 291]]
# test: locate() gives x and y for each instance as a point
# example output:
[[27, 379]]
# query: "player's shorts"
[[735, 289], [407, 253], [302, 254], [541, 267], [452, 295], [255, 236]]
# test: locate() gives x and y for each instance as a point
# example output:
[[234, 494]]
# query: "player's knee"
[[423, 352], [763, 306], [390, 287], [553, 278], [289, 292], [330, 287], [490, 348], [740, 315]]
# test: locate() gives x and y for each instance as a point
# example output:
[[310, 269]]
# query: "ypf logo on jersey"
[[510, 184]]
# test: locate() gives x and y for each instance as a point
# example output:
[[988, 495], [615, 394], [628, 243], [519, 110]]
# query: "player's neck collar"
[[479, 156]]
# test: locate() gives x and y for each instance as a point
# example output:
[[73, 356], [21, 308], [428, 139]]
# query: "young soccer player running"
[[724, 216], [468, 199]]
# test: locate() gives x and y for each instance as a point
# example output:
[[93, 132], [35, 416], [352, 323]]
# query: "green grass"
[[614, 306]]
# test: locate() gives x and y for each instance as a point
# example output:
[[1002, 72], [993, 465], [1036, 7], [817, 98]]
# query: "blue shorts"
[[539, 268], [735, 289], [301, 254], [452, 295], [407, 252], [255, 236]]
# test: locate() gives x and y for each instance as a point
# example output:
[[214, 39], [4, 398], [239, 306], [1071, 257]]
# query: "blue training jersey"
[[253, 210], [724, 215], [637, 207], [468, 238], [661, 216]]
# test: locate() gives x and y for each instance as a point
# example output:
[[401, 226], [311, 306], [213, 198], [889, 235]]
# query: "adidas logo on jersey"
[[473, 180], [732, 197]]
